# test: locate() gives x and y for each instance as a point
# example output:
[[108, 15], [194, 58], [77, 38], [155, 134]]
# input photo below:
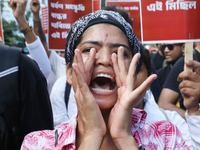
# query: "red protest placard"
[[133, 7], [1, 29], [62, 14], [170, 20], [45, 19], [96, 5]]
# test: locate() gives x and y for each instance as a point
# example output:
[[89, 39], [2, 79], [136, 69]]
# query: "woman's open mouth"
[[103, 83]]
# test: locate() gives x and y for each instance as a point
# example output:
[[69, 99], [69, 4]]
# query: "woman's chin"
[[106, 103], [105, 99]]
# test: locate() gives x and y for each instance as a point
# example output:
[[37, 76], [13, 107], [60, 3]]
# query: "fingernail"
[[75, 52], [114, 55], [73, 66], [139, 56]]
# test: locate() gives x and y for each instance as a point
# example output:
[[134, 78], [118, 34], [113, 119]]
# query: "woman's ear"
[[69, 71]]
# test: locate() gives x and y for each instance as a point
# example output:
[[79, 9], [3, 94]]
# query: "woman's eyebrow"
[[92, 42], [110, 45], [118, 45]]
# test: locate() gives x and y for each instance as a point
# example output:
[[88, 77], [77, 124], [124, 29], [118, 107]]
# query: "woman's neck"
[[141, 105]]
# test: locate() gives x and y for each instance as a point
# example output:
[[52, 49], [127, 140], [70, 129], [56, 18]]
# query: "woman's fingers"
[[90, 62], [83, 94], [87, 66], [130, 80], [79, 60], [81, 83], [138, 93], [116, 70], [124, 76], [121, 63], [89, 112]]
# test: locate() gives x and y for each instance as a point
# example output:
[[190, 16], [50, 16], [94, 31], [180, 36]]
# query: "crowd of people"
[[106, 92]]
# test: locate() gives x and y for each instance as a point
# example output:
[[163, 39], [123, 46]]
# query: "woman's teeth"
[[101, 90], [104, 75], [103, 83]]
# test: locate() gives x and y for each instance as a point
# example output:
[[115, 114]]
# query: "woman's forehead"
[[102, 26], [104, 32]]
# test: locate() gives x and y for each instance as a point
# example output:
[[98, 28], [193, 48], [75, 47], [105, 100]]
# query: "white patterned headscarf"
[[100, 16]]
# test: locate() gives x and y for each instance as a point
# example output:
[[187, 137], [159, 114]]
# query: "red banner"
[[170, 20], [1, 28], [96, 5], [133, 7], [163, 21], [62, 14], [45, 19]]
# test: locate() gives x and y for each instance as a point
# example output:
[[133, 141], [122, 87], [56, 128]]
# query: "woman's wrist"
[[91, 142]]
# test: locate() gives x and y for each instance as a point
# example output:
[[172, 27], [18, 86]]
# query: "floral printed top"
[[154, 135]]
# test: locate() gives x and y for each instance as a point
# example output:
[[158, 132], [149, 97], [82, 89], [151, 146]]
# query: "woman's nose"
[[103, 57]]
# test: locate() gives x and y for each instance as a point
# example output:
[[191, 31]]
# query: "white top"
[[193, 125], [51, 79], [60, 112], [58, 64], [58, 69], [38, 53], [154, 113]]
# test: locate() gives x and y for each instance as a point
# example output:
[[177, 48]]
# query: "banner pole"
[[188, 55]]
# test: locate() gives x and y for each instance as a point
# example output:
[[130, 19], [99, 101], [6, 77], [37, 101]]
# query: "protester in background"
[[121, 11], [189, 87], [56, 61], [170, 94], [58, 65], [105, 91], [154, 113], [24, 101], [172, 53], [38, 53], [158, 57]]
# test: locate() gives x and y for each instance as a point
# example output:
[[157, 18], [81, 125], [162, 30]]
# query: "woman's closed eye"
[[125, 54], [86, 50]]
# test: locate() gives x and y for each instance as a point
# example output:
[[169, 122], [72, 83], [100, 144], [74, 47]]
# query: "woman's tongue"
[[101, 85]]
